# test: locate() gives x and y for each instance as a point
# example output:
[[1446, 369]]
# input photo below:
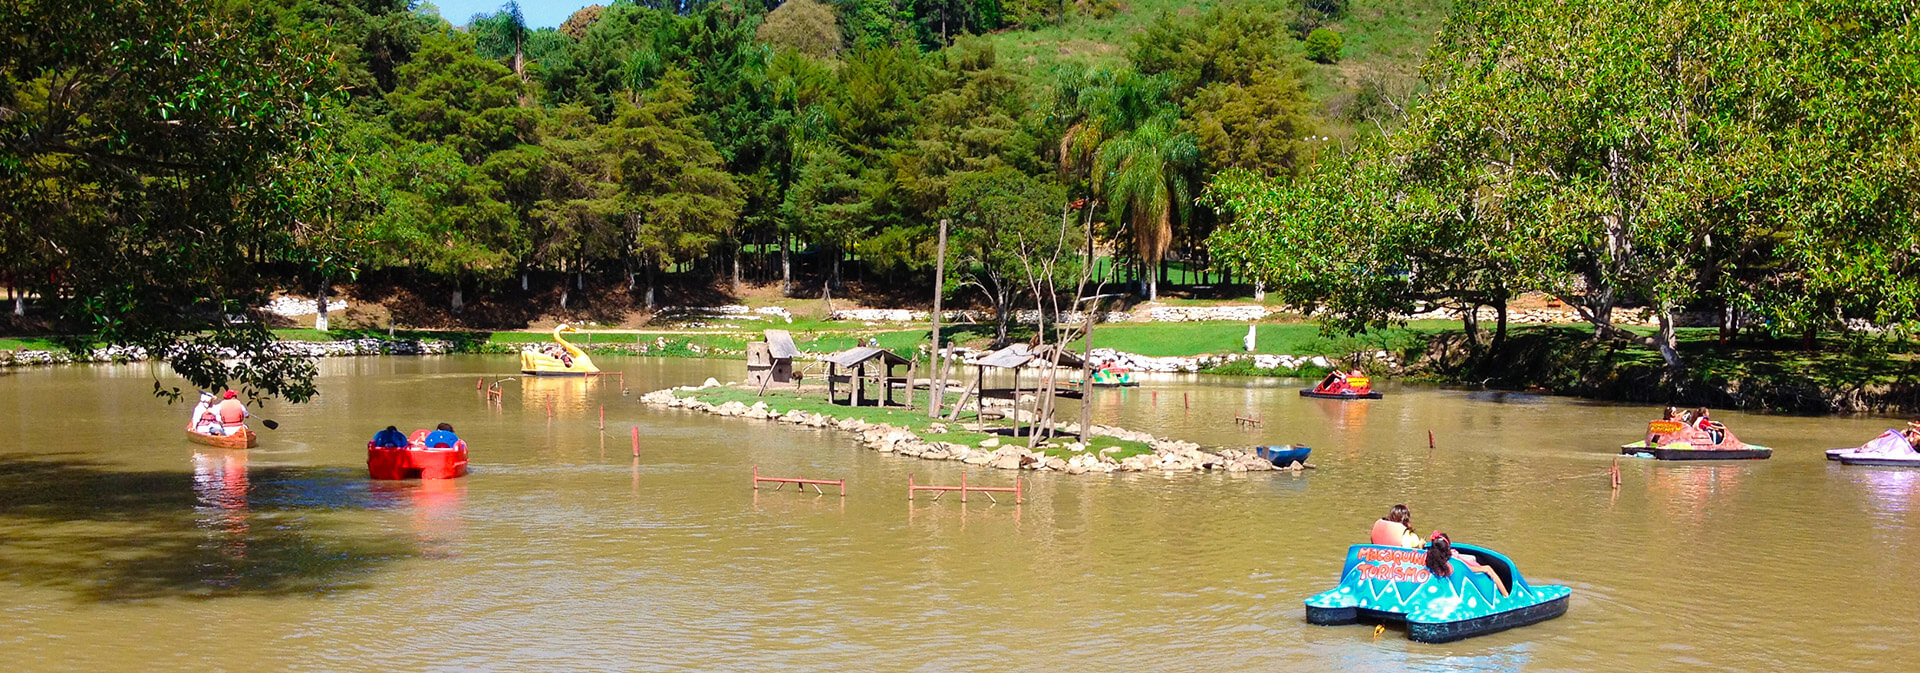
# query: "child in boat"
[[1333, 377], [204, 420], [390, 438], [1912, 433], [442, 437], [1440, 550], [1396, 529], [1712, 427]]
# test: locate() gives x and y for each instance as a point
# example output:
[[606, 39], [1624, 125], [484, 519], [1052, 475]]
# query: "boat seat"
[[1499, 567]]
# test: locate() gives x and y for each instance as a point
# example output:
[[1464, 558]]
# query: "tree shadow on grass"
[[224, 530]]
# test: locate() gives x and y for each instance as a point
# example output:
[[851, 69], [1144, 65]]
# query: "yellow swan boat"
[[574, 362]]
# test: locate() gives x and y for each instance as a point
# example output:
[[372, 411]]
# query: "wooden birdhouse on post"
[[771, 361]]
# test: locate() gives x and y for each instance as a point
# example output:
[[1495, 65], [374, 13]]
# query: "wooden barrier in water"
[[1249, 421], [1018, 495], [802, 483]]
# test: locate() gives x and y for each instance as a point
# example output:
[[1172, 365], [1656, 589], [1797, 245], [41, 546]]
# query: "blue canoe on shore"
[[1282, 456], [1393, 584]]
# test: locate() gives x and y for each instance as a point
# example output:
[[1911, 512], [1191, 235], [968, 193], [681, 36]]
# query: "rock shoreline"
[[1167, 455], [314, 349]]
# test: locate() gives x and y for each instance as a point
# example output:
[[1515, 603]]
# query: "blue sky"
[[539, 13]]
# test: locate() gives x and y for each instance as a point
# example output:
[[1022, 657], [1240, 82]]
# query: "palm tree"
[[1144, 177], [503, 34]]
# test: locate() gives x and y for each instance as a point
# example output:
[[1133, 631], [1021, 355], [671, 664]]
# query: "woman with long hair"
[[1396, 529]]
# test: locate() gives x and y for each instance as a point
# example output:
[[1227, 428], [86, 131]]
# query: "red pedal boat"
[[417, 460], [1348, 388]]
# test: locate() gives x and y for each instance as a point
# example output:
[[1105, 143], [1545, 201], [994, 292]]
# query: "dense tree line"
[[159, 153], [1756, 158]]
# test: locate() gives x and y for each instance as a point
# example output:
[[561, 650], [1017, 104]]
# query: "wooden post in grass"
[[934, 390]]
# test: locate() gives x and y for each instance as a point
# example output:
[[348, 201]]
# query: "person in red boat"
[[442, 437], [1335, 379], [233, 415], [1440, 550], [1396, 529]]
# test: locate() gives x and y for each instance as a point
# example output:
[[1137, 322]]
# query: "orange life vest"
[[1393, 534], [232, 413]]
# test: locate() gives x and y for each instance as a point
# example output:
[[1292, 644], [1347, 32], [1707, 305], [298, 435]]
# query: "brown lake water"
[[125, 548]]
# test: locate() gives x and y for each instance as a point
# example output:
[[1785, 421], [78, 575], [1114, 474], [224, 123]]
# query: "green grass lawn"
[[916, 420], [1189, 339]]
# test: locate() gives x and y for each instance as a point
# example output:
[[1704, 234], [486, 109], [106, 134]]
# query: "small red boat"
[[417, 460], [1346, 388]]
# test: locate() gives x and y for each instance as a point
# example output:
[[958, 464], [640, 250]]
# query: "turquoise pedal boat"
[[1393, 584]]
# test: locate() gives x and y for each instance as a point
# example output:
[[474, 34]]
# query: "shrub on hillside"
[[1323, 46]]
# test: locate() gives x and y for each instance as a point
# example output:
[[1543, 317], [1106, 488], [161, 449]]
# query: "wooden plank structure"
[[771, 361], [865, 364]]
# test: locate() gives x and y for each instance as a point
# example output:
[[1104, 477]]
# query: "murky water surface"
[[123, 547]]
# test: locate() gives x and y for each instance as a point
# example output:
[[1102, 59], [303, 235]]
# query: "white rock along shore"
[[1167, 456]]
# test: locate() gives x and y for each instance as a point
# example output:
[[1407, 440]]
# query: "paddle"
[[270, 423]]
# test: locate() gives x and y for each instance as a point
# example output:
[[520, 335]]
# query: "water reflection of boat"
[[1673, 440], [1393, 584], [220, 486], [245, 439]]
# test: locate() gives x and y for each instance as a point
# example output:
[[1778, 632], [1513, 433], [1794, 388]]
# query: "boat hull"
[[1446, 632], [1283, 456], [1667, 453], [409, 462], [1878, 461], [1340, 396], [245, 440]]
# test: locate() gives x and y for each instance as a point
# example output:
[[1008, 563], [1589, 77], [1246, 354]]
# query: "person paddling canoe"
[[233, 415]]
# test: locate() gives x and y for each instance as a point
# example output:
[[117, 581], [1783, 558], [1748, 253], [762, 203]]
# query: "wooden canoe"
[[245, 440]]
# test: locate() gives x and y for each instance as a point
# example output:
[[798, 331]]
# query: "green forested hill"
[[1385, 41]]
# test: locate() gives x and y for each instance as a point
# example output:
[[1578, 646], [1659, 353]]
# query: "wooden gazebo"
[[1014, 358], [862, 365]]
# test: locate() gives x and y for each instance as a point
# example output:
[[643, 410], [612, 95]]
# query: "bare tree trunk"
[[736, 269], [935, 390], [786, 265], [1259, 290], [320, 318]]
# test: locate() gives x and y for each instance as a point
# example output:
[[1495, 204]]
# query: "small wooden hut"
[[863, 365], [771, 361]]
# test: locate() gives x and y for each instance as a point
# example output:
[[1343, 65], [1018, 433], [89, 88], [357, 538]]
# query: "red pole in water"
[[636, 443], [1429, 439], [1156, 398], [478, 383], [1185, 401], [603, 417], [549, 407], [1616, 473]]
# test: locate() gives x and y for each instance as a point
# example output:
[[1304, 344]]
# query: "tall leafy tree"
[[672, 189], [147, 153]]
